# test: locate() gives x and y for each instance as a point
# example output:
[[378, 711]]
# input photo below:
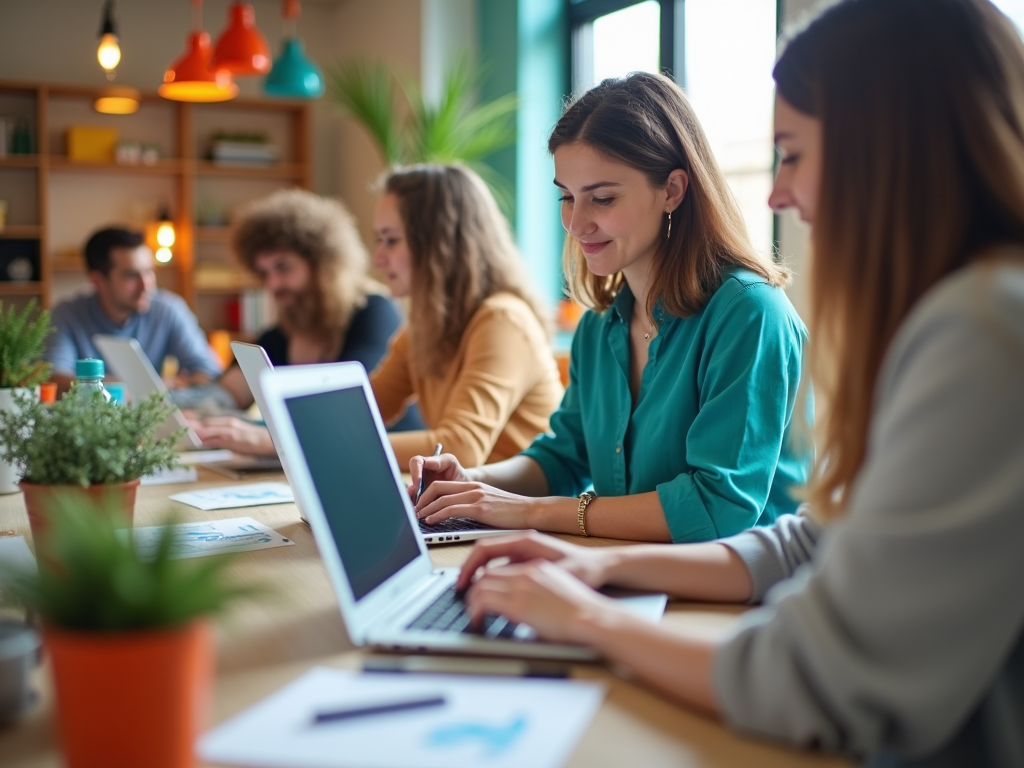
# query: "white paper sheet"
[[188, 458], [169, 476], [15, 555], [232, 496], [486, 721], [214, 537]]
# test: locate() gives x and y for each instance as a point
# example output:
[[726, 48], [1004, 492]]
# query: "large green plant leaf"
[[455, 129], [365, 91], [22, 337]]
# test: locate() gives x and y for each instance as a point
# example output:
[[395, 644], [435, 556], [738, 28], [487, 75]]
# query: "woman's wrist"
[[555, 514]]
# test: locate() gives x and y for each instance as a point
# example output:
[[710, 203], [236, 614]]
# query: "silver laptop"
[[130, 364], [344, 472], [253, 360]]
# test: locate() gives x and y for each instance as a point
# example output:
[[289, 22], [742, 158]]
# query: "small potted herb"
[[128, 637], [22, 336], [82, 442]]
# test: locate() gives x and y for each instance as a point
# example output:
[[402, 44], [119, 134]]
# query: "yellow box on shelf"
[[91, 144]]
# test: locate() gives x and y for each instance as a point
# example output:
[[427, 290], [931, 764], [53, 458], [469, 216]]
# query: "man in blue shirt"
[[127, 303]]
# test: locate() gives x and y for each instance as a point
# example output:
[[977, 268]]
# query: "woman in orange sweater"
[[474, 354]]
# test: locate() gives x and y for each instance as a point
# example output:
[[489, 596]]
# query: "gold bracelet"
[[581, 512]]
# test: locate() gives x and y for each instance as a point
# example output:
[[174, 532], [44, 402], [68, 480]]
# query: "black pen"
[[419, 491], [377, 709]]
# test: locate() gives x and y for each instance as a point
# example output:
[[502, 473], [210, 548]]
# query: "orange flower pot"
[[38, 499], [131, 699]]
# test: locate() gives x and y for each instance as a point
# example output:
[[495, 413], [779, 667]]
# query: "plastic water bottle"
[[89, 375]]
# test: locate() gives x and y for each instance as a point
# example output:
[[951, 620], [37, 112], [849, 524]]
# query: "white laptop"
[[253, 361], [345, 475], [130, 364]]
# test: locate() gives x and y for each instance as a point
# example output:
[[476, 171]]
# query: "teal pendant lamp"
[[294, 76]]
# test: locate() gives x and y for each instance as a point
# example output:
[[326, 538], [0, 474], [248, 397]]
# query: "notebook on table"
[[346, 478]]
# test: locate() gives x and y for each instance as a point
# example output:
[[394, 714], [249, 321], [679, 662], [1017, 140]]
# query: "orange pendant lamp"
[[194, 77], [242, 49]]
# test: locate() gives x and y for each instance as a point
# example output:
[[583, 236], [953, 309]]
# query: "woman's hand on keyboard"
[[588, 564], [560, 607], [443, 499]]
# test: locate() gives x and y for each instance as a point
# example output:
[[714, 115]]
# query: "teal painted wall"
[[524, 48]]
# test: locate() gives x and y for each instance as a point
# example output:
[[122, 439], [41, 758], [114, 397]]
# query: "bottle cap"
[[89, 368], [48, 392]]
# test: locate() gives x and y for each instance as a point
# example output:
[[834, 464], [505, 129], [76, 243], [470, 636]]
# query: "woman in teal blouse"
[[684, 378]]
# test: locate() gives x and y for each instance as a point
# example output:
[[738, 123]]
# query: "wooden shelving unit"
[[47, 190]]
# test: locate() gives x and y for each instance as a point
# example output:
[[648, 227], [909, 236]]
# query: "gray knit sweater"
[[897, 633]]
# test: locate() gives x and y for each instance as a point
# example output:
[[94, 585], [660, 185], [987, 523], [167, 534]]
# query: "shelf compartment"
[[162, 167], [213, 234], [10, 288], [291, 171], [20, 231], [19, 161]]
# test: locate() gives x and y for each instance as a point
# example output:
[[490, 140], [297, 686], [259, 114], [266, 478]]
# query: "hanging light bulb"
[[165, 235], [193, 77], [164, 255], [242, 49], [294, 75], [109, 52]]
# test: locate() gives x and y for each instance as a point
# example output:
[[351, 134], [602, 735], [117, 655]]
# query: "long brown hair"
[[646, 122], [922, 111], [462, 253], [322, 232]]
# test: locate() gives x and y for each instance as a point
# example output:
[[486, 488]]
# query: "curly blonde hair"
[[323, 232]]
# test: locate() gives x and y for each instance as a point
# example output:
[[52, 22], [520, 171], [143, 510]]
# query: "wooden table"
[[262, 646]]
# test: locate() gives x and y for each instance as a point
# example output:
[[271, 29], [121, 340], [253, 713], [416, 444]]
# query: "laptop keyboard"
[[448, 613], [455, 525]]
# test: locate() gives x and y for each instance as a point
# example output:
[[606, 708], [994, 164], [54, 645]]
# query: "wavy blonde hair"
[[922, 110], [322, 232], [646, 122], [462, 253]]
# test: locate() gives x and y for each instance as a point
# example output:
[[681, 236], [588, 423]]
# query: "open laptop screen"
[[357, 490]]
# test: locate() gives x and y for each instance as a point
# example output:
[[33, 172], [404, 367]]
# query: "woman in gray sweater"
[[892, 625]]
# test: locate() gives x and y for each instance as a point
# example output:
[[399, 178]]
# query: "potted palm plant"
[[128, 637], [86, 445], [455, 128], [22, 335]]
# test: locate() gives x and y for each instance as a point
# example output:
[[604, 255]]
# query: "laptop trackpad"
[[646, 605]]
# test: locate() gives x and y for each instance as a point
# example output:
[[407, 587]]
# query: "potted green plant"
[[22, 336], [128, 637], [455, 128], [83, 443]]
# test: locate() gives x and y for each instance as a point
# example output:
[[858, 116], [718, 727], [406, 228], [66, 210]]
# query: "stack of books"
[[235, 153]]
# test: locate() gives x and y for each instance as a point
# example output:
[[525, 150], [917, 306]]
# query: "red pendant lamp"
[[194, 77], [242, 49]]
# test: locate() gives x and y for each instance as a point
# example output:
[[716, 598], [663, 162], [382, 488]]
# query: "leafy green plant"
[[93, 578], [455, 129], [84, 440], [22, 336]]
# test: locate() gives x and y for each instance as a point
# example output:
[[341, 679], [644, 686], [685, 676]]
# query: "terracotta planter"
[[131, 699], [38, 499]]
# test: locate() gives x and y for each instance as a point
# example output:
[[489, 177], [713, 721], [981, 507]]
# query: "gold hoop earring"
[[669, 233]]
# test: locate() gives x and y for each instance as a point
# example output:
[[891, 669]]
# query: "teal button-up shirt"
[[711, 430]]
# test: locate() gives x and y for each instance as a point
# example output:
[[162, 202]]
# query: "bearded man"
[[306, 250]]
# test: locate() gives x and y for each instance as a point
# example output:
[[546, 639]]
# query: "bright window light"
[[618, 43], [730, 52], [1012, 8]]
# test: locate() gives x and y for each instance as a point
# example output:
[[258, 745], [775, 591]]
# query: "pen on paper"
[[422, 486], [384, 708]]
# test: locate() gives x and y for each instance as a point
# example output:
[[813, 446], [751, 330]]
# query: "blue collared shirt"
[[712, 428], [167, 328]]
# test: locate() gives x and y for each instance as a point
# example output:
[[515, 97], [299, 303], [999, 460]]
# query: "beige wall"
[[55, 41]]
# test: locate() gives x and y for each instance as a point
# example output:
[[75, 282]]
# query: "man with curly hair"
[[307, 251]]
